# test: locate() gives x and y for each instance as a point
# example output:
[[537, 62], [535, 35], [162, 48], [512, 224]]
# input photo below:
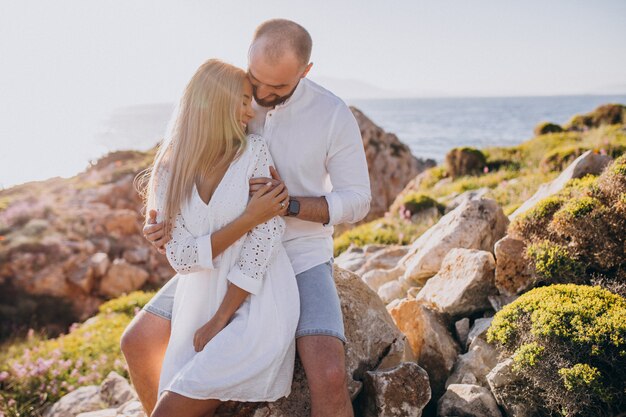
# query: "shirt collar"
[[298, 93]]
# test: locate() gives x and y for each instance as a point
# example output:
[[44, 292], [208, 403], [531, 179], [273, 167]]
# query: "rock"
[[109, 412], [393, 290], [386, 258], [99, 263], [464, 161], [115, 390], [412, 186], [120, 223], [82, 400], [462, 330], [475, 224], [608, 114], [499, 379], [373, 341], [402, 391], [479, 329], [547, 127], [435, 349], [467, 400], [351, 259], [132, 408], [499, 301], [378, 277], [587, 163], [467, 195], [137, 255], [390, 162], [463, 283], [513, 271], [121, 278], [472, 367]]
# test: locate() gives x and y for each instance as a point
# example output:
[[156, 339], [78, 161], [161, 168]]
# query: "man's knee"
[[333, 376]]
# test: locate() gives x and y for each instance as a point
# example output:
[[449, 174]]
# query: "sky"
[[66, 65]]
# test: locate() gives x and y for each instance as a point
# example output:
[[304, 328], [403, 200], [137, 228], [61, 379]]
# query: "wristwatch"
[[293, 208]]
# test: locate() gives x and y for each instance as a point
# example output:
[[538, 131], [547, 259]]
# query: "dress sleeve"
[[185, 252], [261, 242]]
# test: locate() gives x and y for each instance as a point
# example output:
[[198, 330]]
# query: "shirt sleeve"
[[185, 252], [261, 242], [349, 200]]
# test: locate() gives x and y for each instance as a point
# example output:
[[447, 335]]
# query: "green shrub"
[[553, 263], [547, 127], [558, 159], [568, 341], [38, 371], [534, 221]]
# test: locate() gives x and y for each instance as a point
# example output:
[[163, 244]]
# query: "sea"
[[429, 126]]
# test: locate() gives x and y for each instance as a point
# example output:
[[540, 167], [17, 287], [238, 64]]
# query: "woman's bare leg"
[[171, 404], [143, 344]]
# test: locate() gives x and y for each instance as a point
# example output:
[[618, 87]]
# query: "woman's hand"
[[207, 332], [267, 202]]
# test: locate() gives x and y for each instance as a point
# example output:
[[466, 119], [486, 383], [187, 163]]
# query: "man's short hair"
[[281, 35]]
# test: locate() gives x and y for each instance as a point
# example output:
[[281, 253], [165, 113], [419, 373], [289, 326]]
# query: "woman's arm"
[[188, 253], [246, 276]]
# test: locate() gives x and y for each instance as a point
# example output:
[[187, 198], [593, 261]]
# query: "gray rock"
[[499, 379], [462, 328], [463, 284], [376, 278], [402, 391], [587, 163], [391, 291], [472, 367], [499, 301], [479, 329], [475, 224], [82, 400], [468, 401], [467, 195], [115, 390]]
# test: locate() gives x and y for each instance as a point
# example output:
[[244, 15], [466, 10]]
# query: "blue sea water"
[[432, 126]]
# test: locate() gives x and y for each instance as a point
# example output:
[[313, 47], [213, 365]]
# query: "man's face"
[[274, 83]]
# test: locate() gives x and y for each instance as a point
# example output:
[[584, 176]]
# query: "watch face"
[[294, 208]]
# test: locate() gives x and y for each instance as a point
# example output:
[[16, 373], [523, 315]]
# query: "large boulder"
[[468, 401], [463, 284], [390, 162], [402, 391], [587, 163], [433, 345], [474, 224], [373, 342]]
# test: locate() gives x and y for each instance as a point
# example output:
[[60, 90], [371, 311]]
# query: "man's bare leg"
[[323, 359], [143, 344]]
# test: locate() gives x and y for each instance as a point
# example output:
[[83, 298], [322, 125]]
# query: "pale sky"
[[65, 65]]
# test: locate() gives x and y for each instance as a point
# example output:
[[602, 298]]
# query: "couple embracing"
[[252, 252]]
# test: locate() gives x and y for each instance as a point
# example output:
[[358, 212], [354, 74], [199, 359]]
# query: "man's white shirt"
[[317, 149]]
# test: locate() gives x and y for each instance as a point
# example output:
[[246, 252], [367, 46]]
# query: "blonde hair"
[[204, 135]]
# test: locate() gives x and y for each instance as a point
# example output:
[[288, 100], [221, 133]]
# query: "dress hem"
[[273, 399]]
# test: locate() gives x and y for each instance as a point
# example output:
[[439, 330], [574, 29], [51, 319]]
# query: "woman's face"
[[246, 113]]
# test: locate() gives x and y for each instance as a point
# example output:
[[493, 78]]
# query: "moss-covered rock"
[[416, 202], [465, 161], [547, 127], [568, 341], [608, 114]]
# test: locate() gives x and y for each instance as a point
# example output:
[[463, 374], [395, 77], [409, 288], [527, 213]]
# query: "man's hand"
[[258, 183], [154, 232]]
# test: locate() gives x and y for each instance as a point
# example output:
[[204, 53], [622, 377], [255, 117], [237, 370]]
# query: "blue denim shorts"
[[320, 309]]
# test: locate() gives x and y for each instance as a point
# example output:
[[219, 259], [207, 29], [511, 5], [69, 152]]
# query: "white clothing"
[[252, 358], [316, 145]]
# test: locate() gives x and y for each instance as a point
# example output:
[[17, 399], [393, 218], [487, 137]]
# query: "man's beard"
[[274, 102]]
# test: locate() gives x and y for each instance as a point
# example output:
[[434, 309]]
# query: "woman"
[[236, 306]]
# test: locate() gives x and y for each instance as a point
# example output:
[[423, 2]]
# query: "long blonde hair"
[[204, 136]]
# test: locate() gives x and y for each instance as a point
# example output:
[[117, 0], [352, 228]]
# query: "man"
[[316, 145]]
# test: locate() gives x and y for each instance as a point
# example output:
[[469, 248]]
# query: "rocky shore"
[[506, 300]]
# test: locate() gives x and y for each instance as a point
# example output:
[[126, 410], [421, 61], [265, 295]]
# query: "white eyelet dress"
[[252, 358]]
